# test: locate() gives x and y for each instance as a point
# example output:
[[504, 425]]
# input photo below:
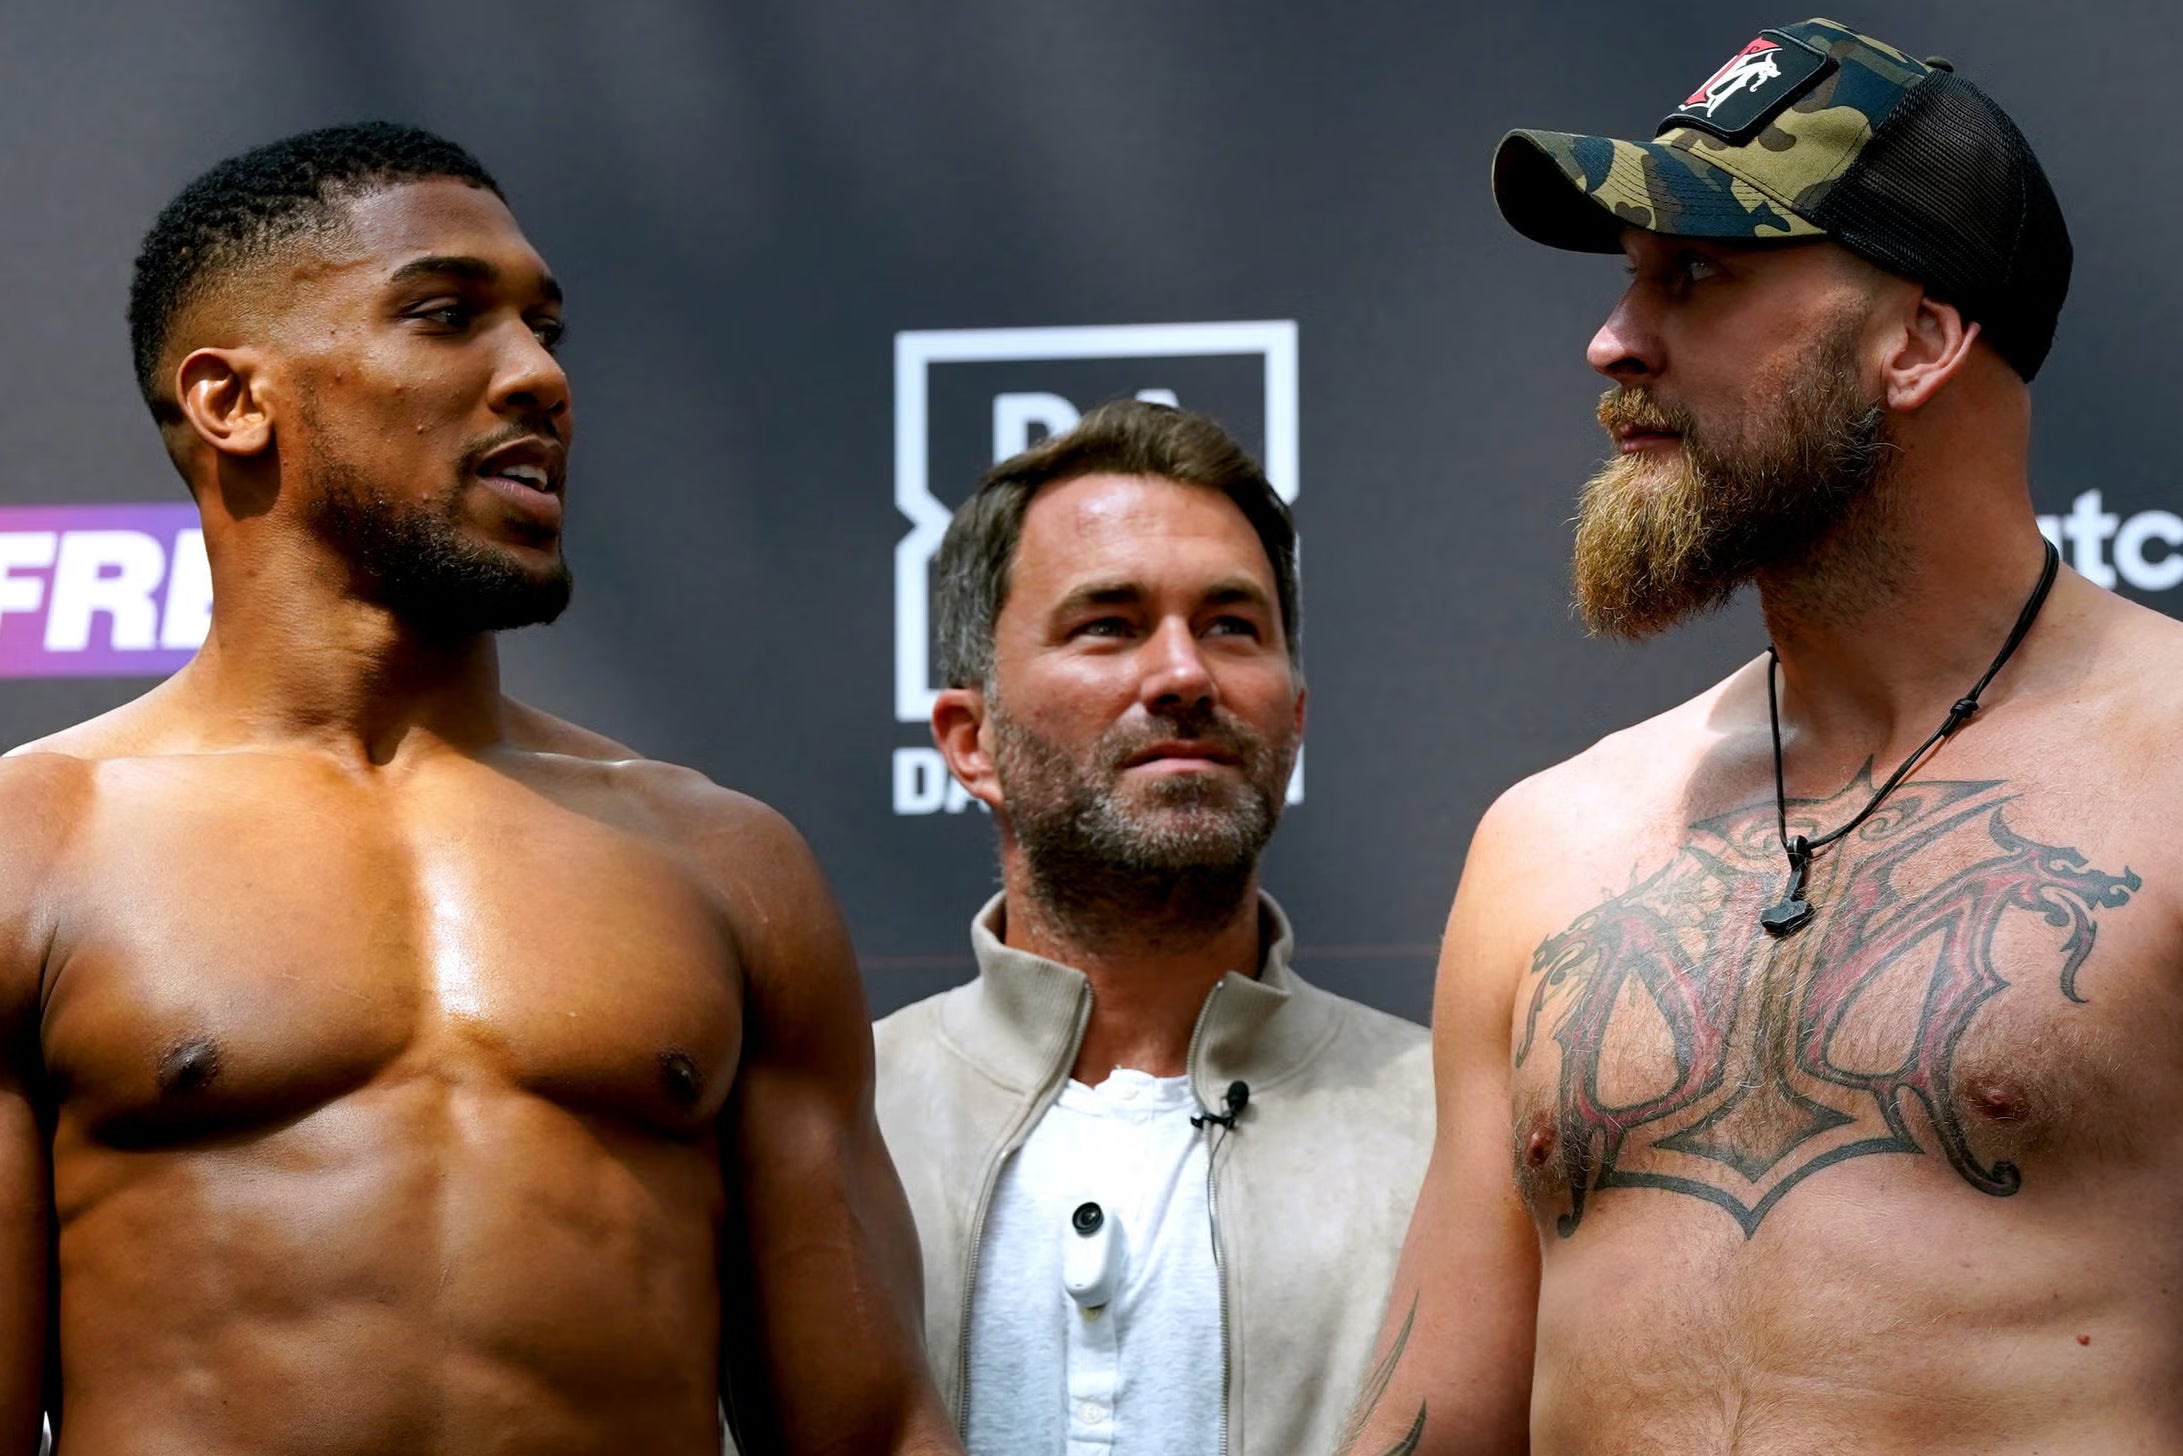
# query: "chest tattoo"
[[1755, 1084]]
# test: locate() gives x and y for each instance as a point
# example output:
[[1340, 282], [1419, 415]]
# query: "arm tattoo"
[[1375, 1388], [1755, 1100]]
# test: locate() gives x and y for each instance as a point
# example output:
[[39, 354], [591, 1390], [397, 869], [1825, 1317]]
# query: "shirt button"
[[1093, 1413]]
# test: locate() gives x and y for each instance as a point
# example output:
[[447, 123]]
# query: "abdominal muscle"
[[411, 1268], [1890, 1314]]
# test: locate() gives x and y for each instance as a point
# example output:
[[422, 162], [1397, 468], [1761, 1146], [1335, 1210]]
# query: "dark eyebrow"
[[1099, 594], [466, 269], [1229, 593]]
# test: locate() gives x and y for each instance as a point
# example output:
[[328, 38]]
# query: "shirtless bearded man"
[[391, 1067], [1859, 1144]]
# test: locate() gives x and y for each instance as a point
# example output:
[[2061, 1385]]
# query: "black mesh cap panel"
[[1947, 192]]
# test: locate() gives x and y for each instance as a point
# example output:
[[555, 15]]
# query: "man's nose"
[[1627, 346], [531, 380], [1176, 673]]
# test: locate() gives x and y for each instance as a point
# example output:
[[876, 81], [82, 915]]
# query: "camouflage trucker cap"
[[1813, 130]]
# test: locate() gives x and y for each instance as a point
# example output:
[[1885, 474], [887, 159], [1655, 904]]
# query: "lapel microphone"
[[1239, 1096]]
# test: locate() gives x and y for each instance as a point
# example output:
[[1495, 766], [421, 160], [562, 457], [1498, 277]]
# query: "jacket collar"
[[1024, 1017]]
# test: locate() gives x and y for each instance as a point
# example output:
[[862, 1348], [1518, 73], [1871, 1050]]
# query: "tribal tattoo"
[[1759, 1096], [1375, 1390]]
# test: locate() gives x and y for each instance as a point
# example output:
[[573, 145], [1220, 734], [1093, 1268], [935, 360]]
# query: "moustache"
[[1200, 725], [527, 425], [1625, 408]]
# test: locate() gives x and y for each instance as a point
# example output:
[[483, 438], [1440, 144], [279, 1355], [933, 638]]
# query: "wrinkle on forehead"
[[1121, 513]]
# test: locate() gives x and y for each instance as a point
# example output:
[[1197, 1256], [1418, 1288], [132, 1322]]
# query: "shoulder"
[[755, 865], [1365, 1094], [907, 1037], [2124, 660], [719, 825], [910, 1025], [749, 856], [1396, 1053], [723, 829], [917, 1059], [1620, 789], [1559, 842], [754, 860], [140, 727], [536, 731], [44, 794], [44, 798], [1366, 1024]]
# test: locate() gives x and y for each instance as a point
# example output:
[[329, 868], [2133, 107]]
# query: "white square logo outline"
[[916, 350]]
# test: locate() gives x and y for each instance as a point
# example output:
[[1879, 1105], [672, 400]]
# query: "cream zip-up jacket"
[[1311, 1192]]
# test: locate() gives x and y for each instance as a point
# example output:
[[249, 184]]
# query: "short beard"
[[1178, 859], [1661, 542], [410, 557]]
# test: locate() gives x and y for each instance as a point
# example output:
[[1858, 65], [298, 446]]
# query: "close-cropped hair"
[[243, 210], [1122, 437]]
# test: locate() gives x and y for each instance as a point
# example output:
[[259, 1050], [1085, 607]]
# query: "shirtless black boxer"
[[390, 1067]]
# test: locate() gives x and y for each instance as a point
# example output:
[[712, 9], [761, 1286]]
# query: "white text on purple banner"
[[101, 591]]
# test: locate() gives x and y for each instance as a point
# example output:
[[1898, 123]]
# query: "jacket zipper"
[[985, 1201], [1212, 1211], [1220, 1273]]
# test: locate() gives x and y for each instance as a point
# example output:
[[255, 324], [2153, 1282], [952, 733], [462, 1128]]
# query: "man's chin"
[[1636, 609], [496, 602]]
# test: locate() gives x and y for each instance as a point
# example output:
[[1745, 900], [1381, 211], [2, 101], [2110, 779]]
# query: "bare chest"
[[1964, 993], [234, 960]]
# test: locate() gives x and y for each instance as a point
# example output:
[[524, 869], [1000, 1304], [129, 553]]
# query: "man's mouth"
[[1178, 755], [532, 463], [1630, 439], [531, 475], [525, 476]]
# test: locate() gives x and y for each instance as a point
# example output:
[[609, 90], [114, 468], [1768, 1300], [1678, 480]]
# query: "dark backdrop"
[[750, 202]]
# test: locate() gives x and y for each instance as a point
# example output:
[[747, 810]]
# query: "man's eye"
[[1235, 626], [1697, 267], [550, 332], [1103, 627], [448, 315]]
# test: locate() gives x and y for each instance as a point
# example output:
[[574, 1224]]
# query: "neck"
[[1150, 973], [1891, 617], [293, 658]]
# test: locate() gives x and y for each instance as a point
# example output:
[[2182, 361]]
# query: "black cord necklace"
[[1793, 912]]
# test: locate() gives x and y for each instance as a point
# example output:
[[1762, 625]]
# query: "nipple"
[[679, 1075], [1996, 1099], [1537, 1148], [189, 1067]]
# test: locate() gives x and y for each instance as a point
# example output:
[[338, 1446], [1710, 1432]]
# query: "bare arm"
[[1453, 1377], [25, 1228], [34, 802], [822, 1313]]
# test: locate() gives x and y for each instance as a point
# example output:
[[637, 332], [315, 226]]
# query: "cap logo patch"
[[1749, 69], [1754, 87]]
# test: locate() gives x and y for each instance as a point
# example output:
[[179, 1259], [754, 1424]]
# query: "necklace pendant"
[[1785, 918], [1792, 912]]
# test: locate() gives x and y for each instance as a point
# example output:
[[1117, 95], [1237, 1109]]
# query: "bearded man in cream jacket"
[[1160, 1181]]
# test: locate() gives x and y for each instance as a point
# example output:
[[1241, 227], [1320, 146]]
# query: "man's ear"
[[959, 724], [1931, 351], [223, 400]]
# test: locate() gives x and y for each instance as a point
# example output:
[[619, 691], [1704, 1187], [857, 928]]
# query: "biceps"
[[25, 1233], [828, 1317]]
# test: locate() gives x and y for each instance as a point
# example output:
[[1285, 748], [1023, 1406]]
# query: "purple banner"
[[101, 591]]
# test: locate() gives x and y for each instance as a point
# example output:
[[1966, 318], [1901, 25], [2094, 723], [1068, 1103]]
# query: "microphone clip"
[[1238, 1097]]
